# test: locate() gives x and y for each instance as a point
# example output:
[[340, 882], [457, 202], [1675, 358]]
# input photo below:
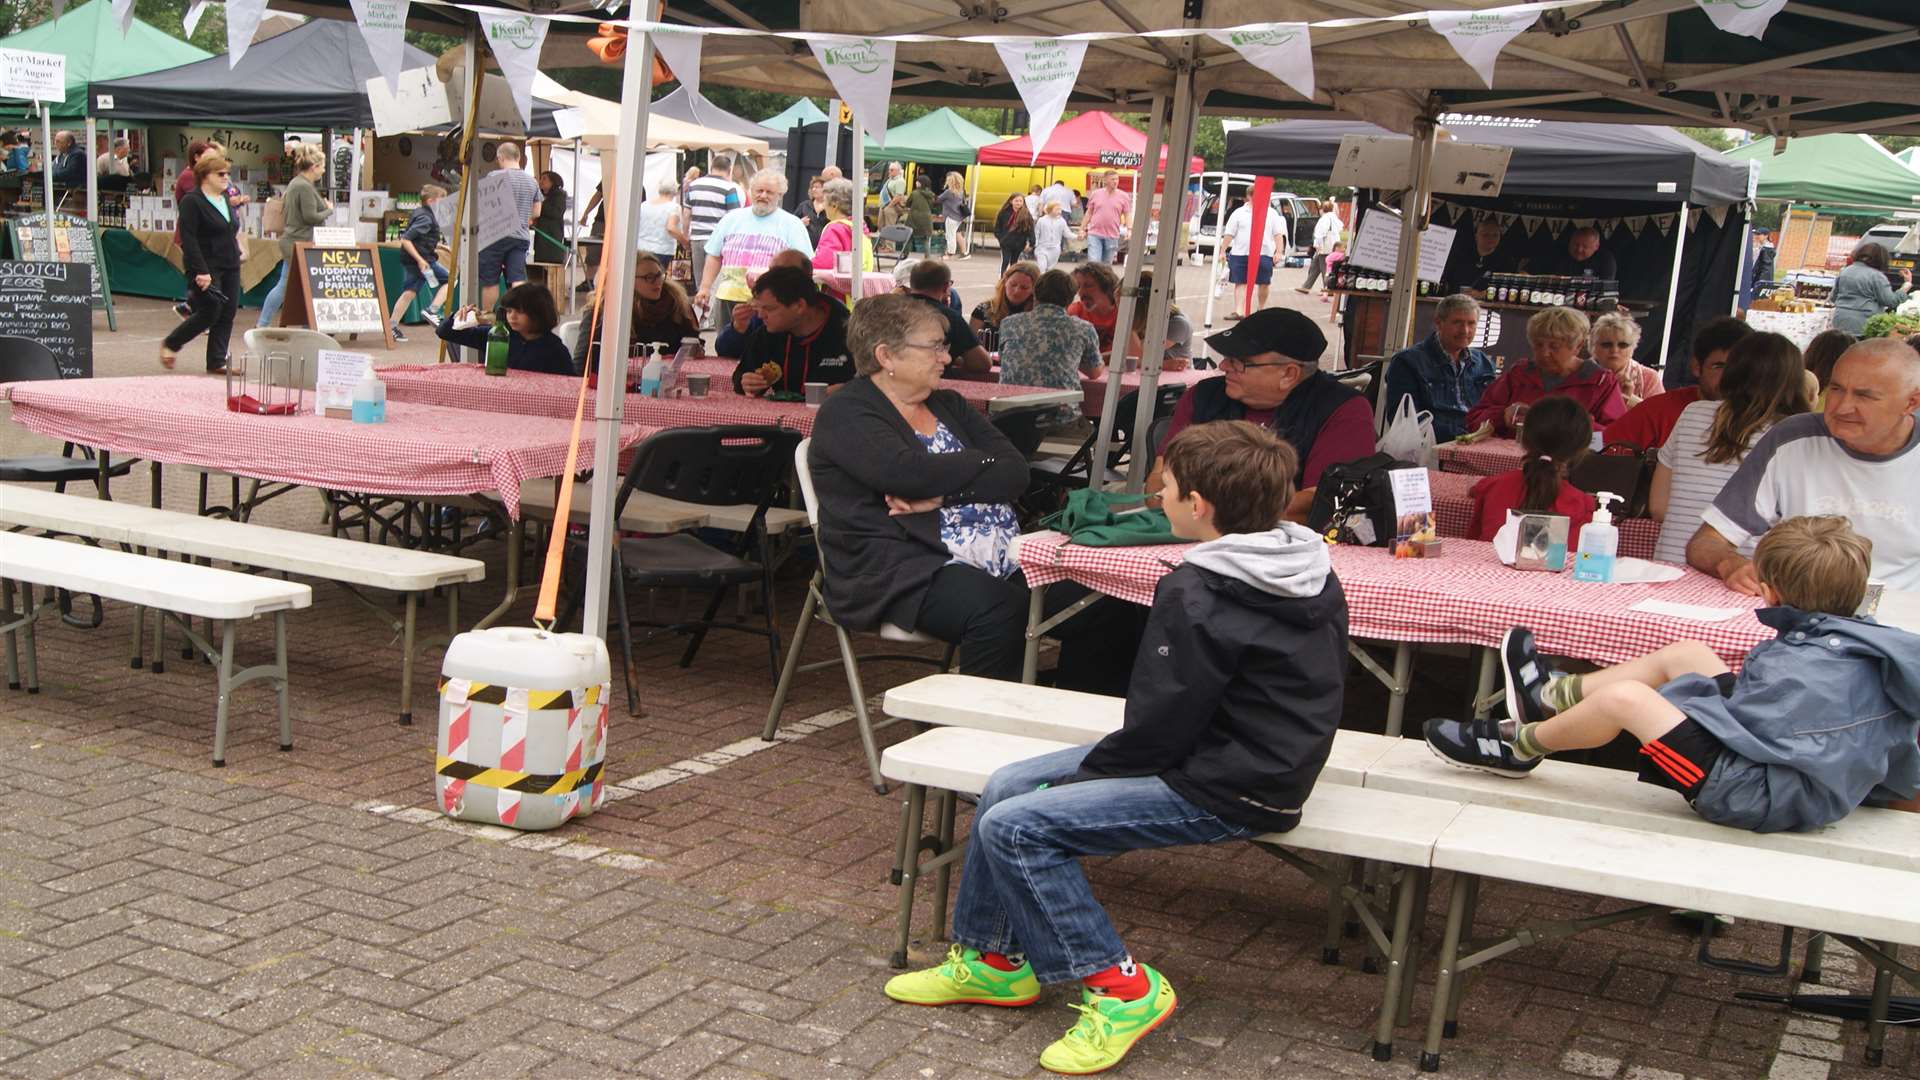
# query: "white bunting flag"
[[1556, 226], [861, 70], [1718, 214], [1749, 17], [243, 18], [123, 13], [1693, 219], [1044, 71], [1478, 36], [1532, 223], [191, 20], [384, 24], [681, 53], [1664, 222], [1635, 223], [515, 41], [59, 9], [1280, 49]]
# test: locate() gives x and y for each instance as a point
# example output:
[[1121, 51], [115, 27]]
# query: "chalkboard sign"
[[75, 240], [338, 291], [48, 302]]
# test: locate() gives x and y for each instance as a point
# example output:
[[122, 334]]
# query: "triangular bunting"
[[1280, 49], [1693, 220], [515, 41], [861, 70], [123, 14], [1556, 226], [1718, 214], [1531, 222], [384, 24], [1749, 17], [1664, 222], [243, 19], [1636, 223], [1478, 36], [681, 53], [191, 20], [1044, 71]]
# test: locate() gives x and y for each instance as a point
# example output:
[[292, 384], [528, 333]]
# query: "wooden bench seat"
[[223, 596]]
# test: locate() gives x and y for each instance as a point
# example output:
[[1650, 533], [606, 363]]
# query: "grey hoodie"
[[1290, 560]]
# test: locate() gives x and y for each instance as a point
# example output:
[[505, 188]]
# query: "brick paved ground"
[[307, 914]]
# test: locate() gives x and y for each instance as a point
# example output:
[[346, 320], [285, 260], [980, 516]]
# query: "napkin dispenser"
[[1541, 542]]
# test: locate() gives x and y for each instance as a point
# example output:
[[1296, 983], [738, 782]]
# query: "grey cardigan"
[[878, 566]]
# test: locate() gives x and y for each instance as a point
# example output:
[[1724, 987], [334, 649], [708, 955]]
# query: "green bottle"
[[497, 343]]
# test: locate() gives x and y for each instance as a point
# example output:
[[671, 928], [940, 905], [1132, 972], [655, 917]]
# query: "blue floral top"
[[979, 535]]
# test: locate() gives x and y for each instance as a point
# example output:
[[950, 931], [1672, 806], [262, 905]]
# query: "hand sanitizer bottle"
[[1599, 541], [369, 400], [650, 374]]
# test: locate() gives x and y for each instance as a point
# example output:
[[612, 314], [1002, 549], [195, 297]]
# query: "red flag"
[[1262, 202]]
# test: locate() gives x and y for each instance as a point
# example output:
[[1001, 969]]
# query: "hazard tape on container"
[[496, 694], [523, 782]]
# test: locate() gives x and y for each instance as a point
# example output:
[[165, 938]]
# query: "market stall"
[[1668, 209]]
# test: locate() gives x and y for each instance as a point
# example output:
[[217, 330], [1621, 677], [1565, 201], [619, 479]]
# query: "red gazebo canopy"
[[1091, 140]]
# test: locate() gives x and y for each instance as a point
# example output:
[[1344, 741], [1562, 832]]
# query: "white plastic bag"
[[1409, 437]]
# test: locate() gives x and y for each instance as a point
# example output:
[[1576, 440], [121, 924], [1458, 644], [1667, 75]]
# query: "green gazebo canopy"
[[942, 137], [795, 115], [90, 37], [1838, 171]]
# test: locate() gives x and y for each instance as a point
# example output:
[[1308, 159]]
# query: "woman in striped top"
[[1765, 382]]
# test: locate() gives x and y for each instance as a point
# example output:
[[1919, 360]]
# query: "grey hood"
[[1289, 561]]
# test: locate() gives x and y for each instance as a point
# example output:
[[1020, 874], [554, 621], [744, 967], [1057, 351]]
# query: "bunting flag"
[[515, 41], [123, 12], [191, 20], [243, 19], [1044, 71], [681, 53], [1281, 49], [1556, 226], [59, 9], [1532, 223], [1635, 223], [1718, 214], [1748, 17], [1664, 222], [384, 24], [1693, 220], [861, 70], [1478, 36]]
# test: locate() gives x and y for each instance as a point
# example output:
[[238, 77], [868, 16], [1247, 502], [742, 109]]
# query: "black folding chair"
[[27, 360]]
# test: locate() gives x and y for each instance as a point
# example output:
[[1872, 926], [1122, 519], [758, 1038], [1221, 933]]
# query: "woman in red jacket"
[[1556, 367]]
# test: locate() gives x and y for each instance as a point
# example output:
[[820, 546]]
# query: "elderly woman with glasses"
[[210, 250], [1270, 365], [1556, 367]]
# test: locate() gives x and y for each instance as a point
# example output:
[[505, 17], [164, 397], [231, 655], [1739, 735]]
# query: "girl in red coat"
[[1556, 435]]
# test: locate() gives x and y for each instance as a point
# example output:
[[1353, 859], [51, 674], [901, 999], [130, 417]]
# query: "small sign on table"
[[336, 375]]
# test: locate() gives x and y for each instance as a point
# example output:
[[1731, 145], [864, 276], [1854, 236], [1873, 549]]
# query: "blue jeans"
[[276, 296], [1102, 249], [1023, 889]]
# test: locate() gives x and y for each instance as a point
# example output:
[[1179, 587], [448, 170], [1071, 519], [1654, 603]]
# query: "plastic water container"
[[523, 727]]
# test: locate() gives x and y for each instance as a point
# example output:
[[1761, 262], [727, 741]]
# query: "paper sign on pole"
[[191, 20], [1281, 49], [416, 102], [1478, 36], [1044, 71], [1377, 246], [243, 19], [498, 214], [123, 14], [1749, 17], [681, 53], [515, 41], [336, 374], [861, 70], [35, 76], [384, 24]]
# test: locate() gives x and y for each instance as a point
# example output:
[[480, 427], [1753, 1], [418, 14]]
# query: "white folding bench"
[[222, 596], [350, 564]]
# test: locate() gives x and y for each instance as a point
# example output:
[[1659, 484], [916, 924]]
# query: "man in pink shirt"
[[1106, 220]]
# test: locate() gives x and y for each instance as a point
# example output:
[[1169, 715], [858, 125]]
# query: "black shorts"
[[1683, 758]]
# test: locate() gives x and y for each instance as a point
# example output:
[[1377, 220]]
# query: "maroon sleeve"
[[1608, 404], [1492, 406], [1178, 422], [1346, 436], [1487, 518]]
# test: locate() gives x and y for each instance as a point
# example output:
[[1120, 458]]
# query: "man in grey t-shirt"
[[508, 254]]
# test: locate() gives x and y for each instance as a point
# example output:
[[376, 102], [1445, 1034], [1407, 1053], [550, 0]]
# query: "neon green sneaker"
[[1108, 1028], [965, 979]]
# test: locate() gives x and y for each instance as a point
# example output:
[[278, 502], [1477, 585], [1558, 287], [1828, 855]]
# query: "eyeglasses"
[[1234, 363], [928, 346], [650, 279]]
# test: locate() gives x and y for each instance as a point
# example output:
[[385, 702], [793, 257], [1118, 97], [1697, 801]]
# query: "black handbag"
[[1623, 469], [1353, 503]]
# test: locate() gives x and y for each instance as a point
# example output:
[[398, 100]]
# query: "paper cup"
[[697, 384], [816, 394]]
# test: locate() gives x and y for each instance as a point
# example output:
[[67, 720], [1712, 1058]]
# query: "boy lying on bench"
[[1819, 720], [1236, 693]]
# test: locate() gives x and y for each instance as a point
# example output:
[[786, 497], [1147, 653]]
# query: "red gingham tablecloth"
[[1096, 389], [1453, 511], [1488, 457], [1466, 597], [420, 450], [468, 386]]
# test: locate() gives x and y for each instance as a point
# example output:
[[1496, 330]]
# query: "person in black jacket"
[[1236, 694], [210, 252], [802, 335], [533, 346]]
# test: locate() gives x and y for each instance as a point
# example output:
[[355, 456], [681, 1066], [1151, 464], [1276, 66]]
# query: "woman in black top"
[[533, 346], [210, 250], [550, 243], [1013, 227], [661, 312]]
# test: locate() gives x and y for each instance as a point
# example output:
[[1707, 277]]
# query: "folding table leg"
[[406, 658], [280, 661], [914, 810], [1450, 1028], [1483, 685], [1336, 922], [1397, 692], [1416, 941], [1810, 970], [13, 646], [1036, 613], [226, 694], [1882, 995], [1397, 974], [139, 658], [33, 645], [943, 876], [1445, 980], [792, 666]]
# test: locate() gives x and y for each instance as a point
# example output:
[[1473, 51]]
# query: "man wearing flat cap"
[[1270, 364]]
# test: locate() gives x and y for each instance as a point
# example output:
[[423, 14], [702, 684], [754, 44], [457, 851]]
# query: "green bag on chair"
[[1112, 519]]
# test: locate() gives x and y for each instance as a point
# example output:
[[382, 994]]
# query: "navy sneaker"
[[398, 335], [1476, 744], [1527, 677]]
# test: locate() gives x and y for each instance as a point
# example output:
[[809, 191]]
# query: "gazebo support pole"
[[973, 206], [1186, 111], [1219, 250], [1673, 282], [1415, 205], [93, 173], [573, 302], [46, 171], [623, 194], [1129, 284], [859, 179], [466, 261]]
